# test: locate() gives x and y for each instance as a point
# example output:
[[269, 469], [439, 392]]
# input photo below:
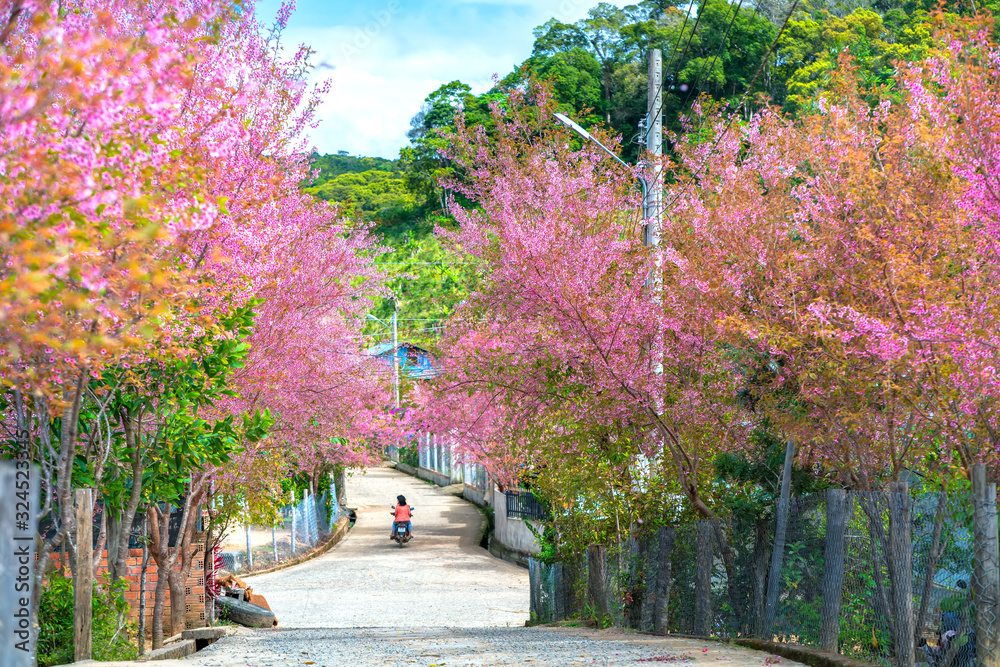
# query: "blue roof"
[[425, 370]]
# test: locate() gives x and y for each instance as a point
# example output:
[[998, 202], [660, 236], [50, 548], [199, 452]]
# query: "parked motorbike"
[[956, 636]]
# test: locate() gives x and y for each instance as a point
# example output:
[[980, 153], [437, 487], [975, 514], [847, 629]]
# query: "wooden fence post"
[[703, 580], [664, 580], [83, 576], [986, 580], [17, 563], [833, 569], [778, 550], [596, 584], [902, 587]]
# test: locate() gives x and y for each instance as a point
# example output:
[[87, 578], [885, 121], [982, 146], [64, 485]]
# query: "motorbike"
[[400, 533], [956, 635]]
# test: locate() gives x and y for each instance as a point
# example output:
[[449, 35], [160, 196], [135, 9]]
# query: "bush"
[[409, 456], [112, 632]]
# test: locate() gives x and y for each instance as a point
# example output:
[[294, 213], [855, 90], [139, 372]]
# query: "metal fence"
[[524, 505], [474, 475], [894, 578], [435, 454], [303, 524]]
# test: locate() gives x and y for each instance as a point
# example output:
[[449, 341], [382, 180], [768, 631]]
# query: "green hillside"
[[596, 69]]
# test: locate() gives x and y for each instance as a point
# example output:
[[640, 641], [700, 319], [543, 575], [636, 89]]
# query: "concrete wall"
[[431, 476], [513, 534], [474, 495]]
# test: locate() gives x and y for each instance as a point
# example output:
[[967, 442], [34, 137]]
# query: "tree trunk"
[[159, 534], [102, 538], [142, 587], [341, 486], [664, 581], [732, 578], [118, 548], [183, 554], [114, 526], [933, 558], [178, 603], [869, 502], [208, 564], [159, 600], [833, 569], [596, 584], [758, 584], [902, 573]]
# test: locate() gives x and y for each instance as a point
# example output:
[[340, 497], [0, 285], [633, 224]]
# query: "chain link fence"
[[898, 577], [303, 524]]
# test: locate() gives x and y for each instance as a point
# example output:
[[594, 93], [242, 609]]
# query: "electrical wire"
[[722, 44], [743, 100], [659, 89], [674, 51]]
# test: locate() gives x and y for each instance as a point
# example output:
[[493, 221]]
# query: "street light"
[[648, 238], [395, 352], [571, 124]]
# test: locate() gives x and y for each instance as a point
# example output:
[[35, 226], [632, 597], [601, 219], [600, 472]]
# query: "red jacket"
[[402, 512]]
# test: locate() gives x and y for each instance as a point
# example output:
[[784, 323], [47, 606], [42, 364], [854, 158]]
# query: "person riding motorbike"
[[401, 515]]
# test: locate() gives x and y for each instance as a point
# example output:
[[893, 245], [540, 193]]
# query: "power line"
[[386, 333], [673, 54], [422, 263], [722, 44], [743, 100], [701, 10]]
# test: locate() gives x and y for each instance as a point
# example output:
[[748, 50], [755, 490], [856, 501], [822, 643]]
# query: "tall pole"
[[653, 206], [654, 191], [395, 352], [653, 203]]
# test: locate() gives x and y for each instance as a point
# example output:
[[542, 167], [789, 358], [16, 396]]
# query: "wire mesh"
[[300, 527]]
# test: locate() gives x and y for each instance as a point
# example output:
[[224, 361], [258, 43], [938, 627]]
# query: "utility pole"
[[395, 351], [653, 205], [654, 146]]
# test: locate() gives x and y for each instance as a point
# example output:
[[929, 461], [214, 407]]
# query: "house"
[[415, 363]]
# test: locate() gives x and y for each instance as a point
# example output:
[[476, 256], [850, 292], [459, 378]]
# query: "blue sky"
[[384, 57]]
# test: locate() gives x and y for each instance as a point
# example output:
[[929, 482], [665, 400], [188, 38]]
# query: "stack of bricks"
[[194, 588]]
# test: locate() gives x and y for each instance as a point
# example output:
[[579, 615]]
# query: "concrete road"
[[441, 600], [542, 647], [441, 578]]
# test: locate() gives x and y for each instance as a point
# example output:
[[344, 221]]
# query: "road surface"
[[441, 578], [441, 600]]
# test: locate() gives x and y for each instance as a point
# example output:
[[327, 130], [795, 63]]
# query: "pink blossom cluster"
[[151, 155], [832, 278]]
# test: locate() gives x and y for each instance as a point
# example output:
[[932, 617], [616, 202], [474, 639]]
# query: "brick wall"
[[194, 588]]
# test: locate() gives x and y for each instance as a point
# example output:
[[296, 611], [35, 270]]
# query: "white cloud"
[[384, 57]]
